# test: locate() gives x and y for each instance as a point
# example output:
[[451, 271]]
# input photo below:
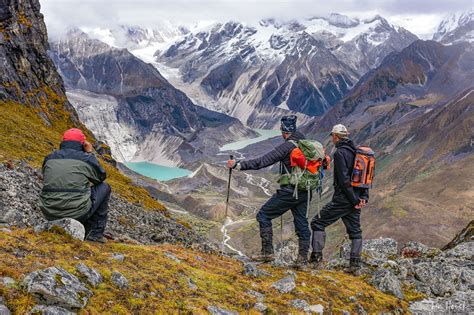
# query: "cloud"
[[419, 16]]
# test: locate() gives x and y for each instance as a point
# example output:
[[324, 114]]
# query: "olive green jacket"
[[68, 175]]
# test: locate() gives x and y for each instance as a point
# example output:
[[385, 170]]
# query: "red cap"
[[74, 134]]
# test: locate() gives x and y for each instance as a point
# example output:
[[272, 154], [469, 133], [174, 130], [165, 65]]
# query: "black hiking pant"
[[95, 220], [281, 202], [336, 210]]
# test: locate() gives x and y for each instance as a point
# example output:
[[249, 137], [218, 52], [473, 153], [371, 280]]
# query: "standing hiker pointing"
[[284, 199]]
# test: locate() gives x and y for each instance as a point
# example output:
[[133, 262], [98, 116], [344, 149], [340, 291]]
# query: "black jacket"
[[280, 154], [343, 158]]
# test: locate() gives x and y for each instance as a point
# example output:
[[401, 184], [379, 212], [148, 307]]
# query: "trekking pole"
[[281, 234], [226, 208], [228, 188]]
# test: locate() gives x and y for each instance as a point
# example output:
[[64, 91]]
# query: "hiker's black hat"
[[288, 123]]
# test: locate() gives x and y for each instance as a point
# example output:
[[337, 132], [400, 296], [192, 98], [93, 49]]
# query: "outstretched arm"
[[274, 156]]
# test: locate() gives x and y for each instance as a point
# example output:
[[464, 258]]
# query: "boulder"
[[7, 281], [286, 254], [387, 282], [251, 270], [56, 286], [118, 257], [257, 295], [461, 251], [285, 285], [173, 257], [215, 310], [381, 248], [50, 310], [301, 305], [63, 226], [458, 303], [119, 280], [261, 307], [317, 309], [442, 277], [92, 276], [4, 310]]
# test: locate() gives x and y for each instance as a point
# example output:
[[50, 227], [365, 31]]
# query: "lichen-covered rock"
[[68, 226], [251, 270], [285, 285], [215, 310], [458, 303], [316, 309], [301, 305], [50, 310], [93, 277], [119, 280], [173, 257], [261, 307], [56, 286], [118, 257], [7, 281], [285, 254], [4, 310], [382, 248], [387, 282], [259, 296], [462, 251]]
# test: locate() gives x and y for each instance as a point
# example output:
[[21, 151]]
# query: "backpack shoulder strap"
[[293, 142]]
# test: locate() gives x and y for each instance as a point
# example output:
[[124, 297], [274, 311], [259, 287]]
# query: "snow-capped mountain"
[[458, 27], [305, 66], [128, 104]]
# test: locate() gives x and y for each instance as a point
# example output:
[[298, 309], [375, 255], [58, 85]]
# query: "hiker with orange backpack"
[[295, 187], [353, 174]]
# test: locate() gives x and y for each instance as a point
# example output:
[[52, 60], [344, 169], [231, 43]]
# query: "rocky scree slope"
[[20, 186]]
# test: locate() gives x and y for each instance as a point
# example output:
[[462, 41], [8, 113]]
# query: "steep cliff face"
[[28, 75]]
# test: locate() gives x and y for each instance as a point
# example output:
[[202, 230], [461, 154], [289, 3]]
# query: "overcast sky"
[[418, 16]]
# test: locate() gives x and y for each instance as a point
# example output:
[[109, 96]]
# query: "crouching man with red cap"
[[74, 186]]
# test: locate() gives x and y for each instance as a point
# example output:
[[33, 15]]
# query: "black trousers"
[[336, 210], [281, 202], [95, 220]]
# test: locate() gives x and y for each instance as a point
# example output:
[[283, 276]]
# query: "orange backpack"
[[364, 168]]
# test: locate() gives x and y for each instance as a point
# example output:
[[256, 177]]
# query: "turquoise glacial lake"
[[264, 135], [156, 171]]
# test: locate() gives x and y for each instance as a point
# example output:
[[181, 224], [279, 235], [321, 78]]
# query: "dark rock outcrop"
[[28, 75]]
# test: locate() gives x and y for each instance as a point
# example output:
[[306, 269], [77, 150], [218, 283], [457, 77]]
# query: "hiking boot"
[[301, 262], [354, 266], [96, 239], [315, 260], [266, 255]]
